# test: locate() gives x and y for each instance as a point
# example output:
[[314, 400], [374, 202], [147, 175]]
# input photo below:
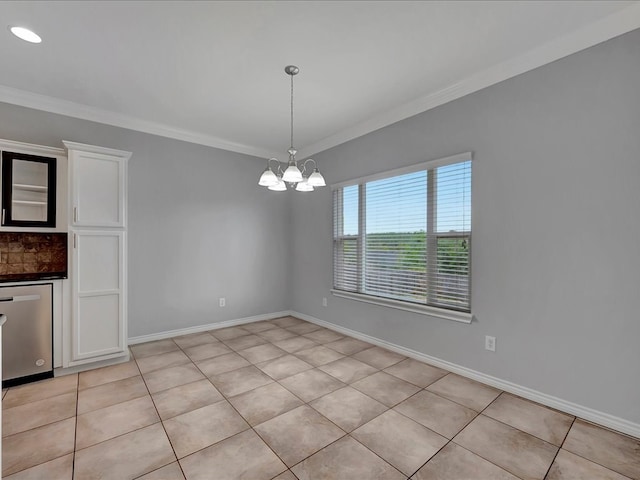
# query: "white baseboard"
[[59, 372], [586, 413], [204, 328]]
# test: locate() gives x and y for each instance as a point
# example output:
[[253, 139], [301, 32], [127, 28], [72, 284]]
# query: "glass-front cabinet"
[[28, 190]]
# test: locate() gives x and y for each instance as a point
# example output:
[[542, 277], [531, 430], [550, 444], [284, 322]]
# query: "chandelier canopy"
[[296, 175]]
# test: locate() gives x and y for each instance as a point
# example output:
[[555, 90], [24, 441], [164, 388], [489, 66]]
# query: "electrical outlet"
[[222, 302], [324, 301], [490, 343]]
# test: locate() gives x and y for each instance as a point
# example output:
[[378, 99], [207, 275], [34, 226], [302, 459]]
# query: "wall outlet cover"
[[490, 343]]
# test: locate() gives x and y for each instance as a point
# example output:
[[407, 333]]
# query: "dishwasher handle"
[[20, 298]]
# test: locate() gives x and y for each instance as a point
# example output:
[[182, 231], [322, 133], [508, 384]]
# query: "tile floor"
[[286, 399]]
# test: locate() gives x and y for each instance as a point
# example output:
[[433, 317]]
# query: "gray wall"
[[200, 228], [556, 225]]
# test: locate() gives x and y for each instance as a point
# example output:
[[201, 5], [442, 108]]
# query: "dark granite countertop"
[[30, 277]]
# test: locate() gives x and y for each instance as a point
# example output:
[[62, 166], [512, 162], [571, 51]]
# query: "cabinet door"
[[98, 316], [98, 187]]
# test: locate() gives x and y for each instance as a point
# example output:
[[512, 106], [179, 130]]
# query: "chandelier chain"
[[291, 111]]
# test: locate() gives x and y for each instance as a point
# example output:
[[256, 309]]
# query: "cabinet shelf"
[[28, 202], [30, 188]]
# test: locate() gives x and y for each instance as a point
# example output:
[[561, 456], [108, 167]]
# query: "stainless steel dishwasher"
[[27, 340]]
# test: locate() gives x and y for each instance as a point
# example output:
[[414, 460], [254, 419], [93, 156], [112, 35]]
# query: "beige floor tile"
[[115, 459], [244, 342], [183, 399], [298, 433], [311, 384], [153, 348], [568, 466], [205, 426], [276, 334], [207, 350], [243, 456], [436, 413], [348, 408], [113, 373], [229, 333], [304, 328], [283, 367], [286, 476], [324, 335], [264, 403], [542, 422], [379, 357], [455, 463], [517, 452], [169, 472], [111, 393], [194, 339], [262, 353], [294, 344], [100, 425], [222, 364], [348, 370], [346, 459], [286, 322], [256, 327], [615, 451], [39, 445], [403, 443], [386, 388], [416, 372], [60, 468], [348, 346], [164, 360], [40, 390], [166, 378], [319, 355], [35, 414], [240, 380], [471, 394]]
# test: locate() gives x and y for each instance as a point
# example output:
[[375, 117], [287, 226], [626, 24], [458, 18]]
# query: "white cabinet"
[[98, 295], [98, 186], [97, 231]]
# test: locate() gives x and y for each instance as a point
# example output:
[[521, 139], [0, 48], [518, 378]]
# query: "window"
[[405, 237]]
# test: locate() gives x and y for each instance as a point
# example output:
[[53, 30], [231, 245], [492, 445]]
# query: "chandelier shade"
[[275, 178]]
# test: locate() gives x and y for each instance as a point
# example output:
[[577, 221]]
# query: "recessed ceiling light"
[[26, 34]]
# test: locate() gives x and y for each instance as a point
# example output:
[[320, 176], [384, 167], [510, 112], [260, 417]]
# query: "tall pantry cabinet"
[[98, 242]]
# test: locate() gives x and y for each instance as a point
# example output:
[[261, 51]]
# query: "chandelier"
[[297, 176]]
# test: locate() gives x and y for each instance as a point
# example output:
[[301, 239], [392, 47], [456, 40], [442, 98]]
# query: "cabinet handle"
[[3, 212], [75, 243], [75, 214]]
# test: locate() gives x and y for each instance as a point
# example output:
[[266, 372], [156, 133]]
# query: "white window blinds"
[[406, 235]]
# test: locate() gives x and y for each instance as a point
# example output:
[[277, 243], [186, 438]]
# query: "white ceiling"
[[212, 72]]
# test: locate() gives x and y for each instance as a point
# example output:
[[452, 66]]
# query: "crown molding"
[[45, 103], [604, 29], [614, 25]]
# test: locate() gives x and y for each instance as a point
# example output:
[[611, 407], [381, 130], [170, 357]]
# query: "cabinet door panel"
[[99, 329], [98, 190], [99, 322], [99, 266]]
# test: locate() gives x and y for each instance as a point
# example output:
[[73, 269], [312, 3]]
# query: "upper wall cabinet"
[[97, 185], [28, 190], [34, 187]]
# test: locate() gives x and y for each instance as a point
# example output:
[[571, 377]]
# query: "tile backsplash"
[[30, 256]]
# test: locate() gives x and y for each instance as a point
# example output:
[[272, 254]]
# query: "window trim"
[[456, 316], [444, 313]]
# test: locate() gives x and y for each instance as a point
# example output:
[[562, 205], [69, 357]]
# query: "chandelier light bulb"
[[316, 179], [292, 174], [268, 178]]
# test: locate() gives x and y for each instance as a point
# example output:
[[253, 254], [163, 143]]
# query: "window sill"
[[461, 317]]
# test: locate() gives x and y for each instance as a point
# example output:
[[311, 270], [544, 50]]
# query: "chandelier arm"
[[278, 163], [304, 165]]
